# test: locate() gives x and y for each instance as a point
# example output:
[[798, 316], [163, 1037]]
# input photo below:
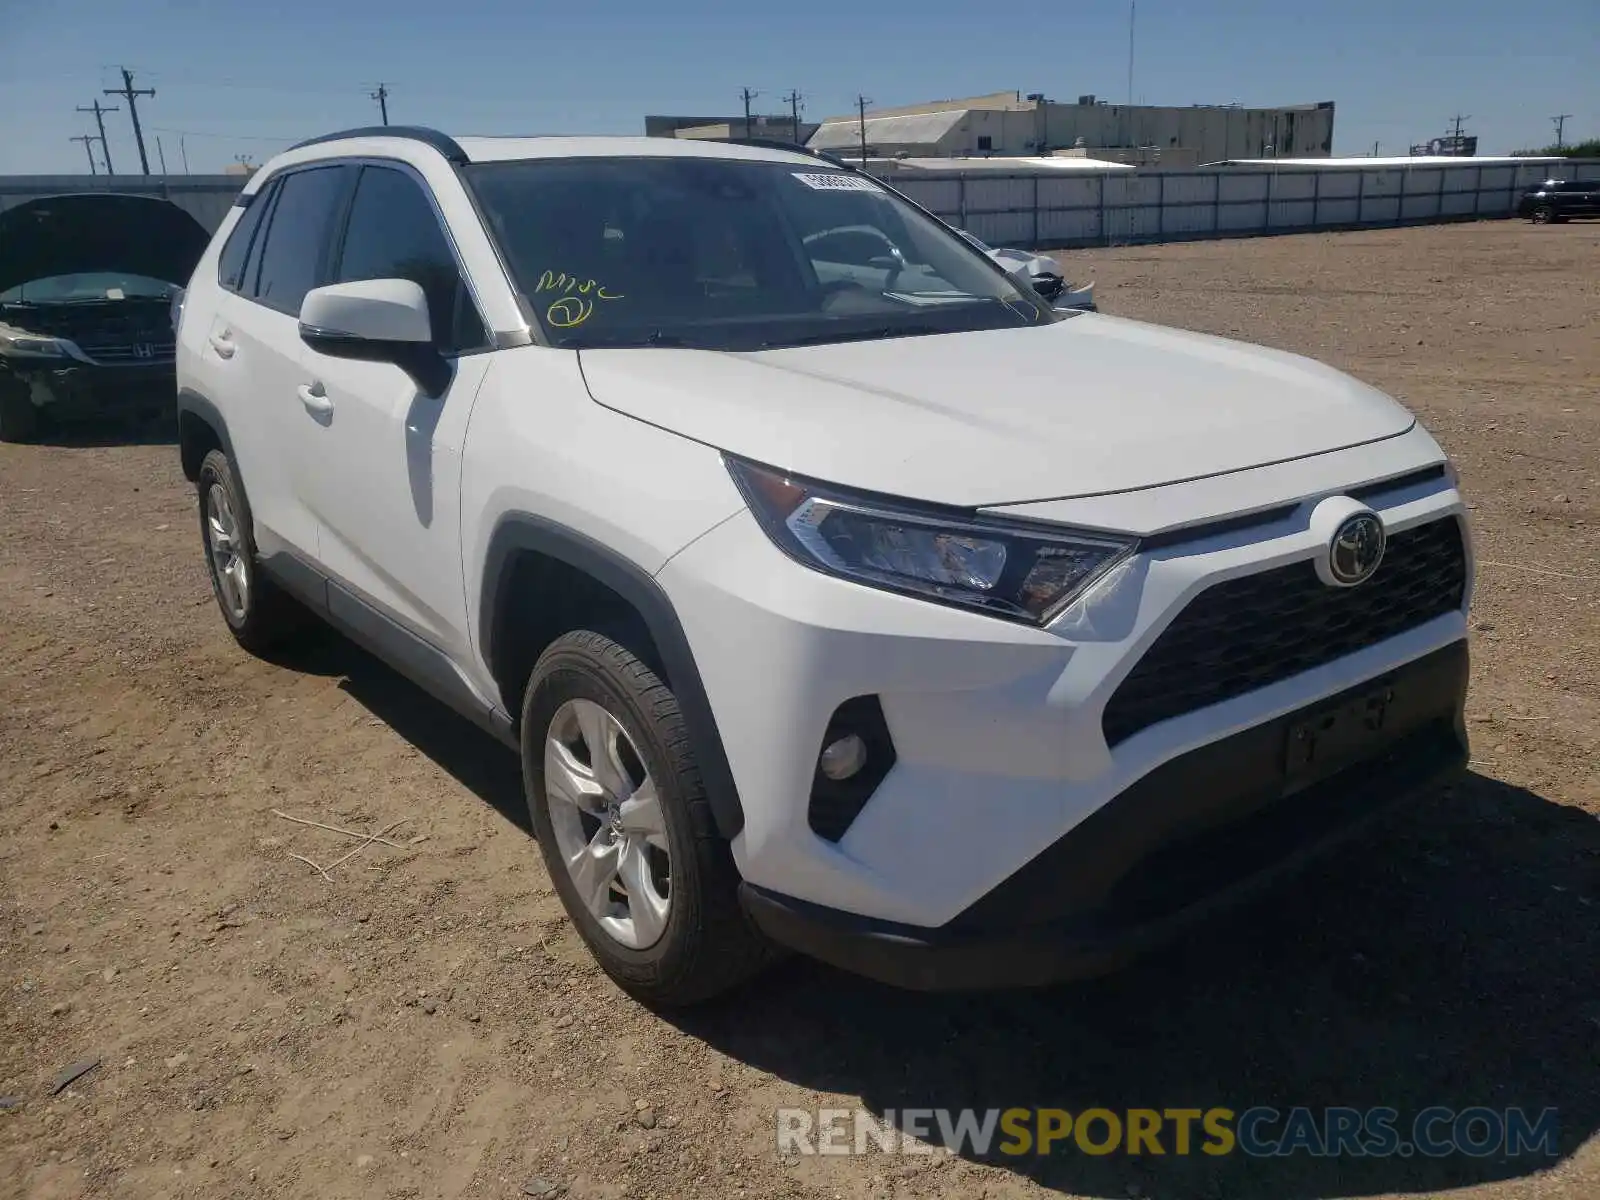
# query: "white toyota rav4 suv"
[[837, 593]]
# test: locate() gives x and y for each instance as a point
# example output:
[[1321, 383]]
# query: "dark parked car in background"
[[1558, 199], [87, 287]]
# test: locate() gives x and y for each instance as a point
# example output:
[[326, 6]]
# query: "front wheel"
[[625, 828], [1544, 215]]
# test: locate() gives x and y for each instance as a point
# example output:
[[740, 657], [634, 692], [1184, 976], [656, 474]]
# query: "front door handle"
[[315, 399], [222, 344]]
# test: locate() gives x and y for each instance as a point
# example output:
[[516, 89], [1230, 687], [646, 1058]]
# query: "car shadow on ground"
[[91, 436], [468, 754], [1448, 958]]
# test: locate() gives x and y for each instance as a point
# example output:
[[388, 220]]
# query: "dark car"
[[87, 287], [1558, 199]]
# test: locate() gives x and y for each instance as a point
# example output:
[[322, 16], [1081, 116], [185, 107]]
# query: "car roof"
[[409, 142], [480, 149]]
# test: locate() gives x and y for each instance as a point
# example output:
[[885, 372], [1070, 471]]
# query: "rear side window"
[[394, 233], [230, 264], [294, 257]]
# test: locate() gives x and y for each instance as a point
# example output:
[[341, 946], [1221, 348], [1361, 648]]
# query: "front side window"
[[732, 254], [394, 233], [294, 256]]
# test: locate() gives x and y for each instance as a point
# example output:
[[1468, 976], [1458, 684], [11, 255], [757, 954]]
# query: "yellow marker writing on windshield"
[[573, 307]]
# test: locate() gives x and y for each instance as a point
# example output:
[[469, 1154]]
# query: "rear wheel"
[[259, 614], [625, 828], [1544, 215]]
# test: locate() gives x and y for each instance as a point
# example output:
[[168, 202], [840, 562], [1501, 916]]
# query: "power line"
[[88, 140], [1560, 122], [382, 97], [131, 94], [232, 137], [99, 119]]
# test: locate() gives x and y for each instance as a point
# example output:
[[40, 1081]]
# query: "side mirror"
[[376, 320]]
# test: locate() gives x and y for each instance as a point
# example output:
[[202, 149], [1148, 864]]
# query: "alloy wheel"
[[228, 560], [607, 819]]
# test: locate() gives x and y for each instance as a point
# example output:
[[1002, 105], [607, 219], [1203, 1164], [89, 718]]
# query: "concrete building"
[[1007, 124], [780, 125], [778, 128]]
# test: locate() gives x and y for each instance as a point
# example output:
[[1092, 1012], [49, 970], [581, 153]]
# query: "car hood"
[[1082, 407], [95, 231]]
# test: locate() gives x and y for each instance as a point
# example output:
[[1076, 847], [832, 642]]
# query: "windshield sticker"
[[575, 304], [836, 181]]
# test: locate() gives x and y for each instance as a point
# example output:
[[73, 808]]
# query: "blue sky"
[[235, 77]]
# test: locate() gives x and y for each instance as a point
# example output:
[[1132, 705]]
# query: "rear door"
[[382, 474], [256, 337]]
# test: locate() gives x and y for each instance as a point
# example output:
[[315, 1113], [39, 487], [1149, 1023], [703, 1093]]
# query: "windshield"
[[96, 285], [730, 254]]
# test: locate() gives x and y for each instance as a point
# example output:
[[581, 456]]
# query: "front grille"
[[1258, 629], [146, 354]]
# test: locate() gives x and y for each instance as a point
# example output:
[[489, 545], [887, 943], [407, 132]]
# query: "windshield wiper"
[[612, 341], [876, 333]]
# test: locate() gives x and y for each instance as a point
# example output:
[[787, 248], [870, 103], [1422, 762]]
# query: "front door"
[[385, 479]]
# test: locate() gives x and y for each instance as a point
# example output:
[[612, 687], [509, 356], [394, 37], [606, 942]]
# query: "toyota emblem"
[[1356, 549]]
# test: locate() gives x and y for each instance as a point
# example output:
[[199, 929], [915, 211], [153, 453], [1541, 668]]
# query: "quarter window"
[[294, 256], [394, 233], [230, 264]]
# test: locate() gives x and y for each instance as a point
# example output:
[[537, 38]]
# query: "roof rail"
[[443, 143]]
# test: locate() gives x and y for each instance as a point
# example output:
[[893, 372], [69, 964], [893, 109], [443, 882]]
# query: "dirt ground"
[[425, 1024]]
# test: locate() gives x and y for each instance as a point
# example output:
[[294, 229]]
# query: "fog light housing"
[[843, 758], [855, 755]]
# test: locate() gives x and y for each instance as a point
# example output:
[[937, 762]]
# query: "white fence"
[[1049, 210], [1077, 209]]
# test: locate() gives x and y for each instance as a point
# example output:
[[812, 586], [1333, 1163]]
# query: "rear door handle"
[[315, 399], [222, 344]]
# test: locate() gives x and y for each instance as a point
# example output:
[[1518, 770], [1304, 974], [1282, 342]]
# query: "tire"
[[19, 420], [261, 616], [1544, 215], [706, 945]]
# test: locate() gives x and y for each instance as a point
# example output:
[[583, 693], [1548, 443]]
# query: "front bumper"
[[998, 729], [67, 391], [1201, 832]]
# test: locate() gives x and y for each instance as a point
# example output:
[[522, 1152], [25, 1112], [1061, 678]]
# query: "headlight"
[[28, 345], [1013, 571]]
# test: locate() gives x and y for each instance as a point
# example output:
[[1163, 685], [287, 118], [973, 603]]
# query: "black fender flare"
[[195, 404], [518, 532]]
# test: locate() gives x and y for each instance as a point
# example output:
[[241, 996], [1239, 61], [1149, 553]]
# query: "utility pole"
[[1457, 121], [861, 110], [88, 148], [748, 96], [793, 99], [1374, 149], [1560, 123], [382, 97], [100, 120], [161, 154], [130, 93], [1132, 8], [183, 149]]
